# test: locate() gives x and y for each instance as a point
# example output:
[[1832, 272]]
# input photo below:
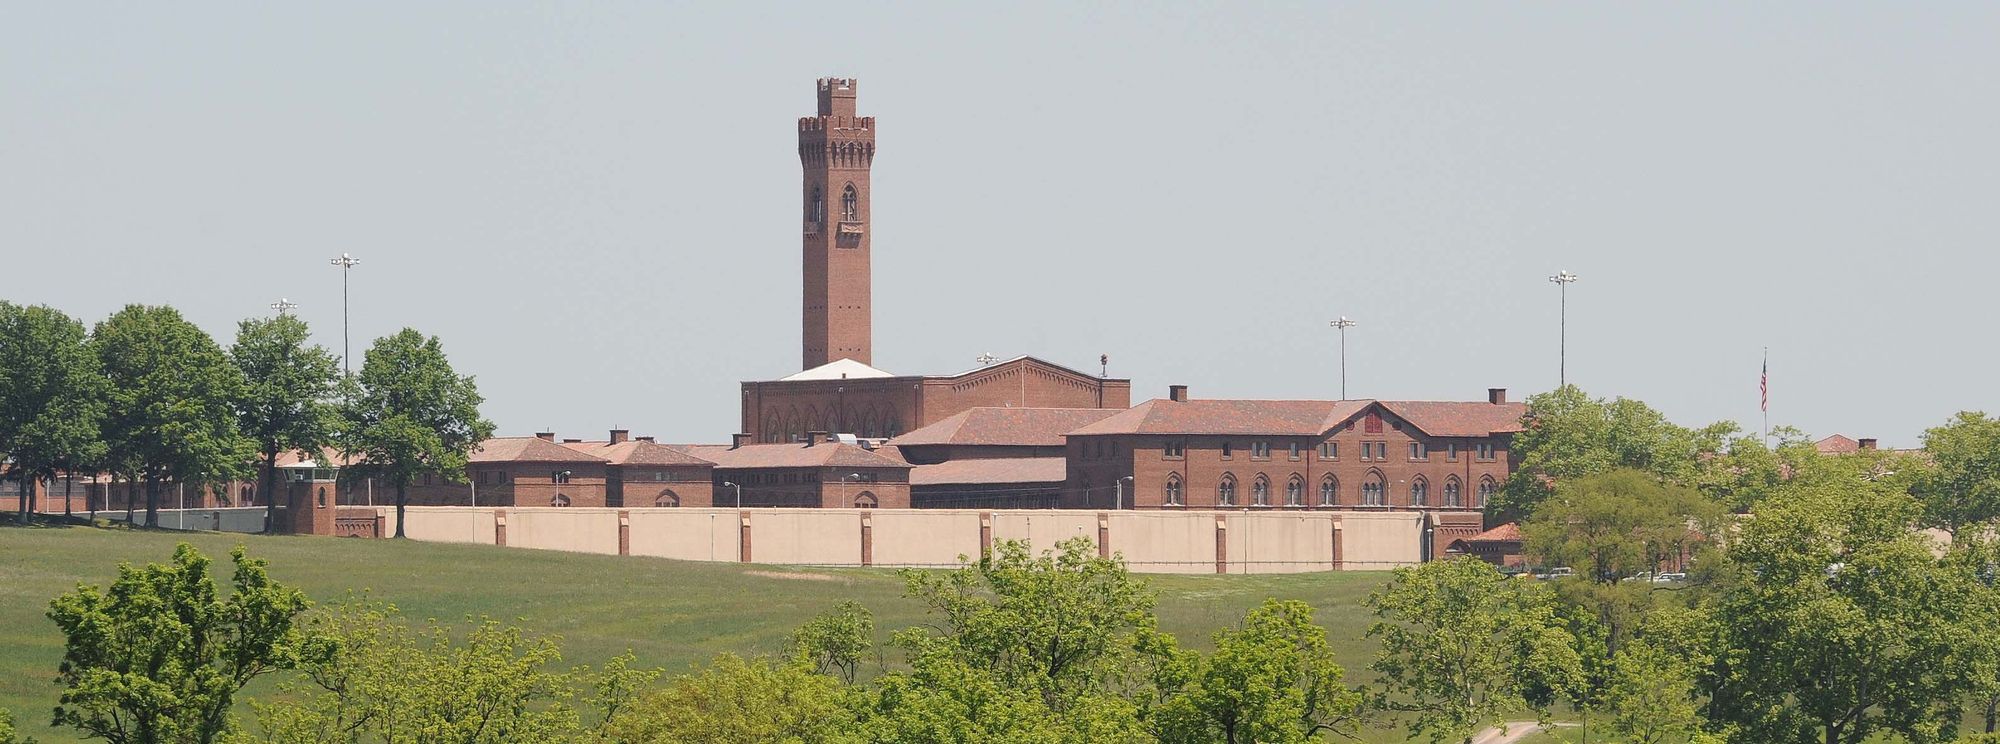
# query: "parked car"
[[1670, 578], [1555, 573]]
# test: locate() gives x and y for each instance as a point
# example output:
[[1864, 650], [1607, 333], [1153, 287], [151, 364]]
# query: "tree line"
[[149, 398]]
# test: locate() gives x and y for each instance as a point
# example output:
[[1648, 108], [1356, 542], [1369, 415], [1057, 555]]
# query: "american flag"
[[1764, 386]]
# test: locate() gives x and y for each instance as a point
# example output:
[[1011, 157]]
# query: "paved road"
[[1516, 731]]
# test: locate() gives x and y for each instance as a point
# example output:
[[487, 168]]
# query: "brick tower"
[[836, 148]]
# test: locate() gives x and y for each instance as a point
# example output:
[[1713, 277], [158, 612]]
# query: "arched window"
[[667, 498], [559, 500], [850, 204], [1260, 491], [1452, 497], [1420, 492], [249, 496], [322, 497], [1295, 492], [865, 500], [1329, 491], [1374, 490], [1225, 491], [1486, 490], [816, 207], [1173, 489]]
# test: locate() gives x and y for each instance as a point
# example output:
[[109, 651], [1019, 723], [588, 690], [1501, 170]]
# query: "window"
[[322, 497], [1174, 448], [1173, 489], [1260, 450], [1374, 492], [816, 208], [1420, 492], [659, 476], [560, 476], [1451, 451], [1381, 450], [1225, 492], [1227, 450], [1372, 424], [1485, 450], [1295, 492], [667, 498], [865, 500], [1329, 450], [559, 500], [1295, 450], [1486, 490], [1419, 452], [1329, 491], [1260, 492], [1452, 497], [850, 204]]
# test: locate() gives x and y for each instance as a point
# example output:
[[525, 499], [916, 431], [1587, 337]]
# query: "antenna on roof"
[[986, 359], [1104, 365]]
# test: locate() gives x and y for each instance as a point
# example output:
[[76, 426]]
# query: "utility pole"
[[1343, 323], [1562, 280], [346, 264], [284, 306]]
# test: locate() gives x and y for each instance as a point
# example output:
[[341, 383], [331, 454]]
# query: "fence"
[[1150, 541], [238, 519]]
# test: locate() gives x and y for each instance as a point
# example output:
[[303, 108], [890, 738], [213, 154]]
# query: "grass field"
[[671, 614]]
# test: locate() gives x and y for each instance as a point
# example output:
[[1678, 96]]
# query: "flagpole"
[[1764, 395]]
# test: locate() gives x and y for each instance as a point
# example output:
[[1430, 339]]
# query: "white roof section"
[[839, 369]]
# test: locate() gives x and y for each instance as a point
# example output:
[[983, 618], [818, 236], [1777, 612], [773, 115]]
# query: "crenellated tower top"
[[836, 150]]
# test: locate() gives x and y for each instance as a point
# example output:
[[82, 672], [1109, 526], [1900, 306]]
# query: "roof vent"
[[1177, 393], [1867, 444], [735, 440], [1496, 396], [546, 436]]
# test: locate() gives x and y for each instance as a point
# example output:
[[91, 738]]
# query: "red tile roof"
[[1837, 445], [636, 452], [1509, 532], [527, 449], [794, 455], [1305, 417], [994, 470], [1039, 427]]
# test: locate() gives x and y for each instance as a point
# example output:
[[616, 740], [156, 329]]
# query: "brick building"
[[996, 458], [819, 472], [1300, 454]]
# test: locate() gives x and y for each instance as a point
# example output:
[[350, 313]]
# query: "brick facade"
[[836, 150], [784, 410]]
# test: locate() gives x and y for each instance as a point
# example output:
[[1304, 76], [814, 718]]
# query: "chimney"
[[735, 440], [1177, 393], [1867, 444], [815, 437], [1496, 396], [546, 436], [620, 435]]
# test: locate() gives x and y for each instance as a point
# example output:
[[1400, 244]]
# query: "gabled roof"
[[1027, 427], [995, 470], [1305, 417], [527, 449], [1837, 444], [1024, 358], [636, 452], [792, 455], [838, 369], [1509, 532]]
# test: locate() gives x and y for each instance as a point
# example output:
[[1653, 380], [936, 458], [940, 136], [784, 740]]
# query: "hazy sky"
[[595, 205]]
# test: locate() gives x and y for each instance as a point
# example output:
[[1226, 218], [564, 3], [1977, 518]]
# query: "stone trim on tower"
[[836, 151]]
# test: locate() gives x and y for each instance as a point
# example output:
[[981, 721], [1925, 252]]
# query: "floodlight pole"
[[739, 492], [284, 306], [1120, 483], [346, 264], [1562, 280], [1343, 323]]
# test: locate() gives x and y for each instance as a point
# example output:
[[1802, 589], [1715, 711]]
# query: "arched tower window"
[[1374, 490], [1260, 491], [1295, 492], [816, 207], [865, 500], [1486, 490], [1329, 491], [1453, 497], [850, 204], [1225, 491], [667, 498], [1174, 490], [1420, 492], [559, 500]]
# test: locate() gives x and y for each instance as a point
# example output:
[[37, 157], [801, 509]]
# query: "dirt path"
[[1516, 731]]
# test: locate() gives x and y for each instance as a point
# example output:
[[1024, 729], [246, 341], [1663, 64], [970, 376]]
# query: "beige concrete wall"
[[824, 537], [686, 534], [925, 537], [1379, 541], [1150, 541]]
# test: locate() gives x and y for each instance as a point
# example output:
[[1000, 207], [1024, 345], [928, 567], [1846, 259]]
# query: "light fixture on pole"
[[986, 359], [346, 264], [284, 306], [1562, 280], [739, 492], [1120, 503], [1343, 323]]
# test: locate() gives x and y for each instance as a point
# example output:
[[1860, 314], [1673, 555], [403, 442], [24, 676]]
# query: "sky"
[[594, 205]]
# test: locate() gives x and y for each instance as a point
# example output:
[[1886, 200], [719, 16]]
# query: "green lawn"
[[670, 613]]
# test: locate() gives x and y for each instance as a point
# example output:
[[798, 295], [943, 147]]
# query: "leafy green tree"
[[411, 415], [1747, 469], [1964, 486], [172, 401], [738, 700], [1273, 680], [837, 641], [287, 401], [1569, 434], [7, 733], [1840, 622], [1653, 699], [1463, 645], [1616, 523], [51, 396], [159, 657]]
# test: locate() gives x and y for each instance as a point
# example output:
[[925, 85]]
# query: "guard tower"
[[836, 149]]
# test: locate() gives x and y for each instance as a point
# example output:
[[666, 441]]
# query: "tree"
[[160, 657], [51, 396], [1964, 486], [172, 401], [411, 415], [1462, 645], [1615, 523], [1273, 680], [734, 700], [835, 642], [1652, 697], [1840, 622], [7, 733], [286, 405], [1568, 434], [1747, 469]]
